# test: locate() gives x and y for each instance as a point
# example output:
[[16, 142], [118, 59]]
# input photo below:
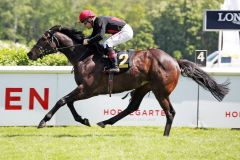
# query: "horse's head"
[[55, 39], [44, 46]]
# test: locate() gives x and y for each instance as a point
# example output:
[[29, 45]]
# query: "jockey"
[[120, 30]]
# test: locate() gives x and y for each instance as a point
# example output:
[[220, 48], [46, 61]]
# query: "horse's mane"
[[75, 35]]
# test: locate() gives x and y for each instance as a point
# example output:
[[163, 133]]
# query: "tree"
[[178, 29]]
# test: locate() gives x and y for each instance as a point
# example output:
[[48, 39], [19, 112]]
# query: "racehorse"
[[151, 70]]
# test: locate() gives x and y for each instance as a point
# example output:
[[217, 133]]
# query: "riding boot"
[[114, 61]]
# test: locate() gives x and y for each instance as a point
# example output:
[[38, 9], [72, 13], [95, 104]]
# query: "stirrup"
[[113, 70]]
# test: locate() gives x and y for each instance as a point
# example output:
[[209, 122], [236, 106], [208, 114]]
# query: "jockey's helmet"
[[86, 14]]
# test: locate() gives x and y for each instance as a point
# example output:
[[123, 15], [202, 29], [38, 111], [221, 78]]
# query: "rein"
[[59, 48], [69, 46]]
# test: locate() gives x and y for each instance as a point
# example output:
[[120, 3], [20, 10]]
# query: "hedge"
[[16, 55]]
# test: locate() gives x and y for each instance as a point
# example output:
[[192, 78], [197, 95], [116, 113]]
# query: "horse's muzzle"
[[30, 55], [33, 56]]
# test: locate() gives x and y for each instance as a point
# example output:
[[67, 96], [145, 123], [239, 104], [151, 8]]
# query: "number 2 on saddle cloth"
[[124, 62]]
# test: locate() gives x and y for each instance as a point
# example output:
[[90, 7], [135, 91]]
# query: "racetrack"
[[117, 143]]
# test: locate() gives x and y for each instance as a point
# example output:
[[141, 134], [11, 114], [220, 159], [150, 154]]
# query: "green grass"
[[118, 143]]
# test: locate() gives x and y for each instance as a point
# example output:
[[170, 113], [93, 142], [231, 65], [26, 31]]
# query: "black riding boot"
[[114, 61]]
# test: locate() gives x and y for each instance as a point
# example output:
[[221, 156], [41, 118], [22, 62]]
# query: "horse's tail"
[[189, 69]]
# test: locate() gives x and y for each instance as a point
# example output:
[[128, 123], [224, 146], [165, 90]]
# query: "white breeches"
[[122, 36]]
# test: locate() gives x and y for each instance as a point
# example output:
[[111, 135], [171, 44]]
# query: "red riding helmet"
[[86, 14]]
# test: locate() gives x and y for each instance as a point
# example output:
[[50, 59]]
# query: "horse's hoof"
[[42, 124], [86, 122], [101, 124]]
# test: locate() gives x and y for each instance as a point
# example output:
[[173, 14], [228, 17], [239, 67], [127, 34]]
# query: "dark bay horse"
[[152, 70]]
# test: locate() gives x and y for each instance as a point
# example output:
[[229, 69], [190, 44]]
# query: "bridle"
[[53, 42]]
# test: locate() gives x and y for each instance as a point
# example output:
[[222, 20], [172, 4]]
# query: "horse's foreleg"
[[76, 116], [133, 106], [70, 98], [49, 115]]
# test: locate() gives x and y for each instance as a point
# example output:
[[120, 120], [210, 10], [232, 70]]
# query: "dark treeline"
[[172, 25]]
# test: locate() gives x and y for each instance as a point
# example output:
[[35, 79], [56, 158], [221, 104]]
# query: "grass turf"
[[118, 143]]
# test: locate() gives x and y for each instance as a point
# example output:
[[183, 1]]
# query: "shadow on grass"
[[65, 135]]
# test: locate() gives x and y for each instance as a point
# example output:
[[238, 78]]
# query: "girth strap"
[[110, 84]]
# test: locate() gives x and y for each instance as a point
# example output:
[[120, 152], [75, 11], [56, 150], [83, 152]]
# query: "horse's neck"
[[71, 56], [79, 55], [78, 52]]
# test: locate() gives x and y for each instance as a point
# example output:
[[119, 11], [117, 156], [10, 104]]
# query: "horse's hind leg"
[[168, 109], [134, 104]]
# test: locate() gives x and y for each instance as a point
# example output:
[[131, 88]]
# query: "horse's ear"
[[56, 28]]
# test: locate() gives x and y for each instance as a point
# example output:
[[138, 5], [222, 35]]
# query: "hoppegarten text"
[[13, 98], [155, 112]]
